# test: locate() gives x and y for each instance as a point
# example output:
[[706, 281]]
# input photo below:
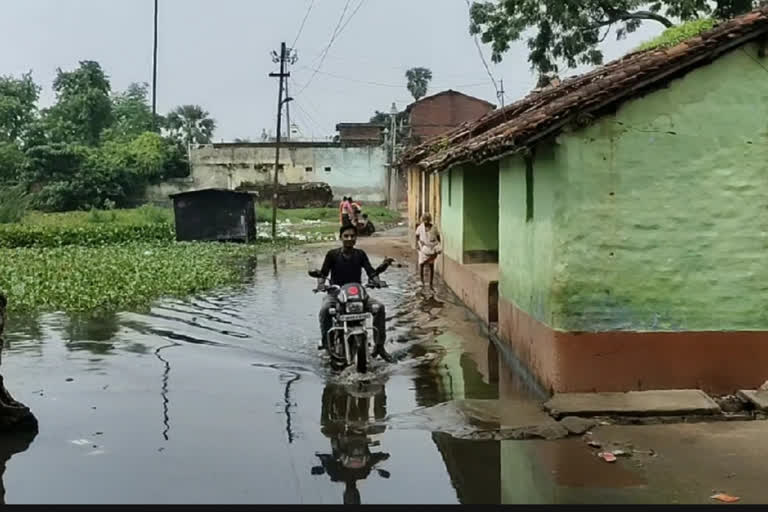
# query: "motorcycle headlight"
[[375, 308], [332, 311], [355, 307]]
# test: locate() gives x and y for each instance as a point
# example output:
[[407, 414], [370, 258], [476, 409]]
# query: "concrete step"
[[757, 398], [678, 402]]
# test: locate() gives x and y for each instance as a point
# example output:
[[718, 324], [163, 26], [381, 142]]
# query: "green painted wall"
[[526, 251], [481, 208], [654, 218], [452, 213]]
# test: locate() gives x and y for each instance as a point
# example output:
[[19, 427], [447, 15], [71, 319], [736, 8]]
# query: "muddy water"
[[224, 399]]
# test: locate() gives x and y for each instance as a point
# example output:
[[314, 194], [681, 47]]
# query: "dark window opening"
[[528, 188], [281, 168], [327, 169], [308, 169]]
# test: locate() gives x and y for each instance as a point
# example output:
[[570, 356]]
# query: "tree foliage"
[[92, 147], [191, 124], [418, 82], [570, 31], [18, 106]]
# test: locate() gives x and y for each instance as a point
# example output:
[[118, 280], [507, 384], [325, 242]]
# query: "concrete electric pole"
[[154, 74], [394, 182]]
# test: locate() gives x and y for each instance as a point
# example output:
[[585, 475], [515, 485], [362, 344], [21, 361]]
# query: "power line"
[[482, 57], [337, 31], [382, 84], [303, 22]]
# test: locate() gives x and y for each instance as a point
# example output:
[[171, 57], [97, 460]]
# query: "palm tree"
[[418, 81], [190, 124]]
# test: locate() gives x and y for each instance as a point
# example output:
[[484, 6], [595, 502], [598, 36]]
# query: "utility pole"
[[280, 101], [393, 199], [501, 93], [154, 74], [291, 58]]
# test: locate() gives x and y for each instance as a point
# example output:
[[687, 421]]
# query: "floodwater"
[[224, 399]]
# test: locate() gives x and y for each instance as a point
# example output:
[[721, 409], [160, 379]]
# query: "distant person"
[[428, 243], [344, 211], [355, 210]]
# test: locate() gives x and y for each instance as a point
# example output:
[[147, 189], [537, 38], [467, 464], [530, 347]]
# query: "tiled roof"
[[578, 99]]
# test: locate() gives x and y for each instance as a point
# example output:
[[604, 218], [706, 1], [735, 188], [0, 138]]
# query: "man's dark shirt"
[[345, 269]]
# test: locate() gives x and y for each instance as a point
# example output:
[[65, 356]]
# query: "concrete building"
[[357, 169], [613, 227]]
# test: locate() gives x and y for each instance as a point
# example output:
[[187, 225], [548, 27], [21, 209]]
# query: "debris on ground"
[[725, 498], [621, 453], [731, 404], [607, 456], [576, 425], [595, 444]]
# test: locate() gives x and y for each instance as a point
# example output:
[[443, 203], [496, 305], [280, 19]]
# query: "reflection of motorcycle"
[[346, 419]]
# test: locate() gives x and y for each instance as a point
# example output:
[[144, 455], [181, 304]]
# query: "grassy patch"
[[111, 278], [378, 214], [677, 34]]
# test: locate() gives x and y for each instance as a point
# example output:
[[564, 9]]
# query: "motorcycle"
[[351, 339]]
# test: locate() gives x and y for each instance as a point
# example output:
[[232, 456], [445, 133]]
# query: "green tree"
[[570, 31], [83, 108], [18, 106], [418, 82], [132, 111], [190, 124]]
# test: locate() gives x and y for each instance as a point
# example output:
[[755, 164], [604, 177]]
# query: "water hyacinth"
[[109, 278]]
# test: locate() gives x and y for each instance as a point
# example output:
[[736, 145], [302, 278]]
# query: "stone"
[[577, 426], [730, 404], [14, 416], [550, 432], [759, 399], [633, 403]]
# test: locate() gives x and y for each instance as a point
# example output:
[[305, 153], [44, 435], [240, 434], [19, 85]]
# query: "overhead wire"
[[303, 22], [340, 26]]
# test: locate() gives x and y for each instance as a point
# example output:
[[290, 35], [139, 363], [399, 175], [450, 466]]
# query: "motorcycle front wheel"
[[362, 354]]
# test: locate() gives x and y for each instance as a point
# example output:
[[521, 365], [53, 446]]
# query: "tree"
[[571, 31], [83, 106], [190, 124], [18, 106], [132, 111], [418, 82]]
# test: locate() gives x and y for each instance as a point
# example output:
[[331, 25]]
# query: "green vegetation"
[[378, 214], [676, 35], [93, 148], [571, 33], [114, 277], [107, 260]]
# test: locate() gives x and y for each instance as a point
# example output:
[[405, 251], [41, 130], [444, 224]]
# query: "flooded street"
[[224, 399]]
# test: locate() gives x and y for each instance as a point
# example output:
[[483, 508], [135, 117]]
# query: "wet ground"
[[224, 399]]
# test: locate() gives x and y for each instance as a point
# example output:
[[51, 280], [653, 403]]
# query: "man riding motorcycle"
[[345, 265]]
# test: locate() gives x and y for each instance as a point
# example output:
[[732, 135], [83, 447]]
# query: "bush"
[[13, 205], [92, 235]]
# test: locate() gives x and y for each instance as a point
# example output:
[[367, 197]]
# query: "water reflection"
[[94, 333], [349, 419], [10, 445]]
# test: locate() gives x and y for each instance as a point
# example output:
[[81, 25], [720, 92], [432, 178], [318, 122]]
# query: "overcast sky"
[[217, 54]]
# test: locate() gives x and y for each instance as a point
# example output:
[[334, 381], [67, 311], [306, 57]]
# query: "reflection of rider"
[[344, 420], [345, 265]]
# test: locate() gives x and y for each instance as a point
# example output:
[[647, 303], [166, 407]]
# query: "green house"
[[614, 227]]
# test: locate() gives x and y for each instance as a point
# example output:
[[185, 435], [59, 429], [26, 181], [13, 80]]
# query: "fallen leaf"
[[725, 498], [607, 456]]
